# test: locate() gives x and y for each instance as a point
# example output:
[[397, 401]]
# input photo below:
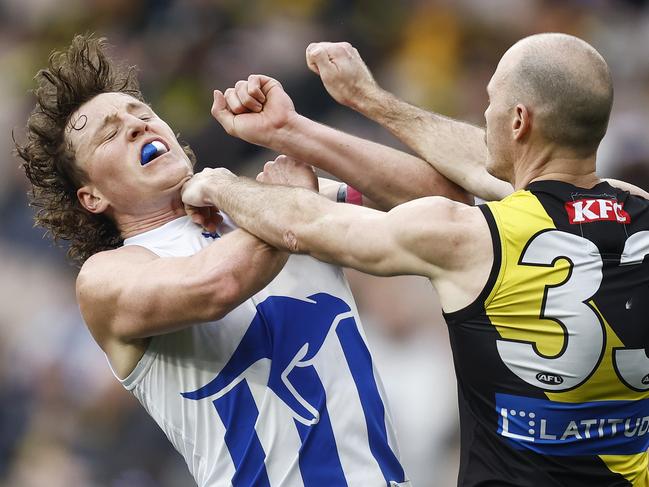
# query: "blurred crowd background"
[[64, 420]]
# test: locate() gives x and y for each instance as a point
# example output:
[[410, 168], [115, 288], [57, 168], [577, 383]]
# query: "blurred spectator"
[[407, 335]]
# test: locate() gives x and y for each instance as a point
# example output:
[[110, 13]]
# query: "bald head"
[[567, 85]]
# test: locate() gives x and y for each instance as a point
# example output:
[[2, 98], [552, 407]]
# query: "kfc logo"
[[592, 210]]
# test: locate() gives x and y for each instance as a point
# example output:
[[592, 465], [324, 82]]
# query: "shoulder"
[[446, 232], [439, 214], [107, 264], [101, 278]]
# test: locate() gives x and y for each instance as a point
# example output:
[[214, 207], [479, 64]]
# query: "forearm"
[[385, 175], [157, 295], [251, 263], [266, 211], [211, 283], [289, 218], [455, 149]]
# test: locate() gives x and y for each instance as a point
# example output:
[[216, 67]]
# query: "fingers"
[[211, 219], [221, 112], [249, 95], [342, 71], [195, 214], [267, 83], [283, 161], [242, 91], [268, 165], [207, 217], [287, 171], [327, 55], [233, 102], [316, 56], [254, 87]]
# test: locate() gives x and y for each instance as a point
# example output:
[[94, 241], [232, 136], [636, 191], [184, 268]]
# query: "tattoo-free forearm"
[[289, 218], [385, 175], [267, 211], [456, 149]]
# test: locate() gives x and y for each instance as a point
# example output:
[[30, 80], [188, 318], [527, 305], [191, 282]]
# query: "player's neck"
[[579, 171], [133, 224]]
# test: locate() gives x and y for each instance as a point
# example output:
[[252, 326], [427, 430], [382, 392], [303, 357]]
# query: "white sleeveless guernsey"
[[282, 392]]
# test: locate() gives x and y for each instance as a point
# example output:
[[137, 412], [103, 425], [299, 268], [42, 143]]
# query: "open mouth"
[[151, 151]]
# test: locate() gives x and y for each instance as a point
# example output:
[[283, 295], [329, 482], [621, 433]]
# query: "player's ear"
[[92, 199], [522, 122]]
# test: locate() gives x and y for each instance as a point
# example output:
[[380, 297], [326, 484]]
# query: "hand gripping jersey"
[[281, 392], [551, 359]]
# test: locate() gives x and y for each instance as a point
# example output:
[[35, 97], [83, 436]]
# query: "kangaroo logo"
[[291, 332]]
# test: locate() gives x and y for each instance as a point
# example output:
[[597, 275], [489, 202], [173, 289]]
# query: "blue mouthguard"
[[148, 151]]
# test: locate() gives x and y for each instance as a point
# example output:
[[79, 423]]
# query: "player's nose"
[[135, 127]]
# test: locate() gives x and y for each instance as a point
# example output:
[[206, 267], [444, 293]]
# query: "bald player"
[[545, 292]]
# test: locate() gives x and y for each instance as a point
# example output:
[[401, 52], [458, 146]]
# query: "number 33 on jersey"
[[552, 357]]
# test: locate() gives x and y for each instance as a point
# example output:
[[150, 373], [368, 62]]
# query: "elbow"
[[465, 197], [441, 186], [291, 241], [295, 236], [457, 193]]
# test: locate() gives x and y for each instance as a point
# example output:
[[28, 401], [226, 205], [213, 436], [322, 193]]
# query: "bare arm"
[[386, 175], [131, 293], [455, 149], [419, 237]]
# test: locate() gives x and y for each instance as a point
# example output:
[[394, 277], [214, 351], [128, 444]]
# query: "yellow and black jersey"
[[551, 359]]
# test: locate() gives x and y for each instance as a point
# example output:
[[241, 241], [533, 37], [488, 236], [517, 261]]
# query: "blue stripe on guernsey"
[[319, 461], [360, 365], [239, 414], [291, 333], [566, 429]]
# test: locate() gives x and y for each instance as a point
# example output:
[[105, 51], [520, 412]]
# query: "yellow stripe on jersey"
[[631, 467], [515, 301]]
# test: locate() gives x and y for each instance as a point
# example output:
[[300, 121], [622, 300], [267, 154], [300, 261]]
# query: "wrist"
[[296, 128], [214, 187], [369, 102]]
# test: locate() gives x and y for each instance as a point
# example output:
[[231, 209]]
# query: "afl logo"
[[548, 378]]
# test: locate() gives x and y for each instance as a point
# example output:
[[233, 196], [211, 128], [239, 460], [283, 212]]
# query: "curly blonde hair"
[[72, 78]]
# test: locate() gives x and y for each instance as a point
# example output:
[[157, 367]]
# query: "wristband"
[[347, 194], [341, 197], [354, 196]]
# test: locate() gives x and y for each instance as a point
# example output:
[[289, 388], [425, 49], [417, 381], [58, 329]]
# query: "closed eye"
[[111, 135]]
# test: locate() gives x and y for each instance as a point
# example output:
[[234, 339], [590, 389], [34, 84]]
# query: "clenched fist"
[[343, 72], [194, 196], [255, 110]]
